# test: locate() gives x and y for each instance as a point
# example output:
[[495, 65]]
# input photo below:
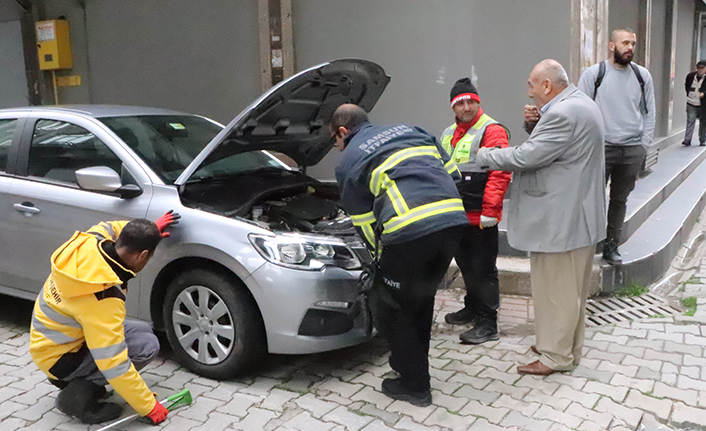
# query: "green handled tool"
[[180, 399]]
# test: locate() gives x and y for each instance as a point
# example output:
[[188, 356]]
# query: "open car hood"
[[292, 117]]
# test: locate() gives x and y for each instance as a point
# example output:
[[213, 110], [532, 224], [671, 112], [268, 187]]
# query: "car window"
[[167, 143], [235, 164], [59, 149], [7, 130]]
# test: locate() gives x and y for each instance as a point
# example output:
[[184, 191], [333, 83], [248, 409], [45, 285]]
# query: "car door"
[[48, 205], [10, 131]]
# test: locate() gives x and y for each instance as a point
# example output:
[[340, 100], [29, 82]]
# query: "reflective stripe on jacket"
[[398, 179], [482, 191], [464, 153], [82, 308]]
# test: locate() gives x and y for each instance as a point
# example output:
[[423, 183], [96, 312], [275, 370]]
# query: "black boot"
[[485, 330], [80, 399], [394, 388], [610, 252], [461, 317], [58, 383]]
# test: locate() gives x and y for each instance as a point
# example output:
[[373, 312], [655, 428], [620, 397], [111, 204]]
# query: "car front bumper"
[[310, 311]]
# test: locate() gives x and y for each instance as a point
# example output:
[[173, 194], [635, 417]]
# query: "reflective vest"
[[464, 154], [473, 178]]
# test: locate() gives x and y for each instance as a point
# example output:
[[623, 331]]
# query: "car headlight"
[[305, 252]]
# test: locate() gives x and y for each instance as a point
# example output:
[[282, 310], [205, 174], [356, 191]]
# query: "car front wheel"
[[213, 324]]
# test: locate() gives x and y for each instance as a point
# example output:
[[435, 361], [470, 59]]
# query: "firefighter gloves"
[[168, 219], [159, 412]]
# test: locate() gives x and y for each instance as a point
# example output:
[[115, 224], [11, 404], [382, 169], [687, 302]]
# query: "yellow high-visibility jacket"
[[82, 308]]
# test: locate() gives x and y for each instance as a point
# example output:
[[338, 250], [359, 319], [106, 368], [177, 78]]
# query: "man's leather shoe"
[[686, 144], [610, 252], [536, 368], [461, 317], [534, 350]]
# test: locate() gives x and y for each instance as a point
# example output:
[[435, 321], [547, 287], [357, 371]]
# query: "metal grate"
[[608, 311]]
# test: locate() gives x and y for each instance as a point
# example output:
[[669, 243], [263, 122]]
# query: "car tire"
[[213, 324]]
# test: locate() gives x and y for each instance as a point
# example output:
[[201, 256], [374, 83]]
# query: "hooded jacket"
[[81, 309]]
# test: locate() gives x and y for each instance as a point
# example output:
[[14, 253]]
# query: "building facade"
[[216, 56]]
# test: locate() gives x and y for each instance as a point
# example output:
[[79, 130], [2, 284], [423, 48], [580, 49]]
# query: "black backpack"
[[601, 74]]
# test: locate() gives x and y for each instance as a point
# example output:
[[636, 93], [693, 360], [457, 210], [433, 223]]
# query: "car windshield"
[[169, 143]]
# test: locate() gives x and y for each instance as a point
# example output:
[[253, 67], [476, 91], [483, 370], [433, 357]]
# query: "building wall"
[[200, 57], [74, 13], [203, 57], [426, 46], [659, 61], [13, 81], [625, 14], [685, 32], [9, 10]]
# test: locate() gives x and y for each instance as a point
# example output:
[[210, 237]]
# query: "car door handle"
[[27, 208]]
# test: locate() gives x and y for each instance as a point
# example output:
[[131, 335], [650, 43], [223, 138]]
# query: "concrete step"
[[676, 164], [514, 276], [661, 212], [649, 251]]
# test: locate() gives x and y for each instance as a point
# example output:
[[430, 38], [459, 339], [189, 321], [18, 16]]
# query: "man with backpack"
[[625, 95]]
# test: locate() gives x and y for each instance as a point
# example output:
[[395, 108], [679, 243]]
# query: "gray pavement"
[[636, 373]]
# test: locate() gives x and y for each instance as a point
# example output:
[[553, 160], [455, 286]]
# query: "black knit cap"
[[464, 89]]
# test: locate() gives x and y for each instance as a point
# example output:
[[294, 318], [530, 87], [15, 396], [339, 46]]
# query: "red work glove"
[[168, 219], [158, 413]]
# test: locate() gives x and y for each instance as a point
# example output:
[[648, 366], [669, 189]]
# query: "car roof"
[[98, 111]]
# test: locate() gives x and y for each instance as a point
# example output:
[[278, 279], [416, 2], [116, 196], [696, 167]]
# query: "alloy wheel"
[[203, 325]]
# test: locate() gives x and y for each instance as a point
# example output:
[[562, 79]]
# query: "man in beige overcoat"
[[556, 210]]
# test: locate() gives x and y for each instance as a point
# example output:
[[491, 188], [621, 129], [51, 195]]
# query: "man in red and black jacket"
[[482, 193]]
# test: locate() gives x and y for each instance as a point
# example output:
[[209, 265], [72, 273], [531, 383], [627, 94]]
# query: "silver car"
[[264, 258]]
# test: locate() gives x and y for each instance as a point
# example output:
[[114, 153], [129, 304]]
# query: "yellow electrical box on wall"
[[54, 44]]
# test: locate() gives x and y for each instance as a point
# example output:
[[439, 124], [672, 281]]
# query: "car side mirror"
[[104, 179], [129, 191], [98, 179]]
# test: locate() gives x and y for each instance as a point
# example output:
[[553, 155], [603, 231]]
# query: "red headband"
[[465, 96]]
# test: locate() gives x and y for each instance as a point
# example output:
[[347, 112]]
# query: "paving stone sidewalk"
[[634, 373]]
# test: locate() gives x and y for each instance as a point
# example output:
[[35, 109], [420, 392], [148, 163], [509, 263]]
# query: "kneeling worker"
[[79, 335], [394, 181]]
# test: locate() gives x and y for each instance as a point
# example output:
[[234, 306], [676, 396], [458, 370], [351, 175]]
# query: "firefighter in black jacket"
[[398, 182]]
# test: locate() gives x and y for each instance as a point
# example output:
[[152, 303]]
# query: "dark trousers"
[[402, 300], [476, 257], [692, 113], [622, 165]]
